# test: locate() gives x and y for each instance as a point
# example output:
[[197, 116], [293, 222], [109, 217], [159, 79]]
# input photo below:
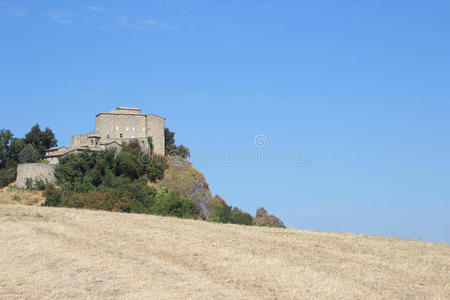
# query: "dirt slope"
[[62, 253]]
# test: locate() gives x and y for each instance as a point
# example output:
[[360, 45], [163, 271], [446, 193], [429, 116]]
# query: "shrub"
[[29, 184], [100, 200], [170, 204], [156, 167], [134, 144], [128, 164], [39, 184], [52, 196], [221, 214], [171, 148], [240, 217], [184, 151], [123, 205]]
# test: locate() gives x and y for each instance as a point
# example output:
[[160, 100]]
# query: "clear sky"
[[354, 96]]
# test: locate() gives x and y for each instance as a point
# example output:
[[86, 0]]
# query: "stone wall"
[[44, 172], [80, 139], [155, 127]]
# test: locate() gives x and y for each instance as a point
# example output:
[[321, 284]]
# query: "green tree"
[[183, 151], [41, 140], [169, 139], [71, 170], [17, 145], [6, 137], [171, 148], [28, 154], [128, 163]]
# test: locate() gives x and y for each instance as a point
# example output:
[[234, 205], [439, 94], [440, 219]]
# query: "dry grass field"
[[13, 195], [70, 253]]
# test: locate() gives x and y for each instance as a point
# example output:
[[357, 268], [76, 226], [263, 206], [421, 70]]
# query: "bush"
[[155, 168], [39, 184], [240, 217], [52, 196], [100, 200], [171, 148], [134, 144], [170, 204], [123, 205], [184, 152], [29, 184], [128, 163], [221, 214]]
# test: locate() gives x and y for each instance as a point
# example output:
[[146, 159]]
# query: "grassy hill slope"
[[59, 253]]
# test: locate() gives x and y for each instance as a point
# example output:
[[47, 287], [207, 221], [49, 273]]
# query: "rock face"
[[189, 183], [264, 219]]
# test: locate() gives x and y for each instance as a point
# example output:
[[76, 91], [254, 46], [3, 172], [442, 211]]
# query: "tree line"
[[29, 149]]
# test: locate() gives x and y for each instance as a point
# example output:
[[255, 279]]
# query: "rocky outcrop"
[[264, 219], [189, 183]]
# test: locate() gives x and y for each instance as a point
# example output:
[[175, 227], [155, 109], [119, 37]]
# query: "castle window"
[[92, 142], [107, 137], [127, 129], [121, 135], [117, 128]]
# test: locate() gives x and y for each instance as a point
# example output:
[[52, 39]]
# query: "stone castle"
[[112, 129]]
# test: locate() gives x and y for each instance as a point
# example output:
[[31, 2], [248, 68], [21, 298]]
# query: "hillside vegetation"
[[13, 195], [64, 252]]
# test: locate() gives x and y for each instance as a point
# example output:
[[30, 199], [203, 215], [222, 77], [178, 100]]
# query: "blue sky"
[[353, 95]]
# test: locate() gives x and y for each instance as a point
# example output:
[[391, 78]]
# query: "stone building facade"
[[112, 129]]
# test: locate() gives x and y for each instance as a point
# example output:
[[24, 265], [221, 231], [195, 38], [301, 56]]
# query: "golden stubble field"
[[67, 253]]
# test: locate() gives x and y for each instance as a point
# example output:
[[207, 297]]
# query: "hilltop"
[[61, 252]]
